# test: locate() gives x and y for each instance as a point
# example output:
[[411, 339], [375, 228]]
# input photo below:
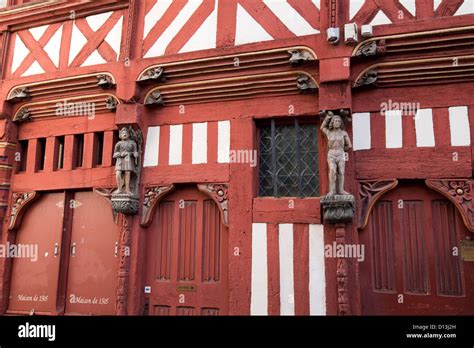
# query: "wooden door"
[[34, 283], [187, 264], [93, 259], [413, 259]]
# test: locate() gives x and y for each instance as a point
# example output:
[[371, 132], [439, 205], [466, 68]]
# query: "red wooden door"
[[93, 260], [186, 265], [34, 283], [413, 259]]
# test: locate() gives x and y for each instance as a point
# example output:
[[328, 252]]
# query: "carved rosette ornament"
[[459, 193], [20, 201], [153, 196], [369, 193], [218, 192], [19, 94]]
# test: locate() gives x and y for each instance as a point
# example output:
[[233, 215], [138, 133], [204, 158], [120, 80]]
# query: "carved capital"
[[19, 94], [367, 79], [369, 193], [300, 57], [218, 192], [154, 74], [458, 191], [338, 208], [153, 196], [20, 201], [155, 98]]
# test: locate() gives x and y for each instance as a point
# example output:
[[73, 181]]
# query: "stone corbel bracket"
[[218, 192], [368, 78], [370, 192], [153, 196], [20, 201], [106, 193], [458, 191], [154, 74]]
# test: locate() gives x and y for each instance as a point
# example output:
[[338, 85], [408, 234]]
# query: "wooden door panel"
[[411, 268], [34, 284], [93, 262], [187, 257]]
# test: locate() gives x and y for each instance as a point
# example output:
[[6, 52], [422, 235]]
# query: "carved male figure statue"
[[126, 153], [338, 144]]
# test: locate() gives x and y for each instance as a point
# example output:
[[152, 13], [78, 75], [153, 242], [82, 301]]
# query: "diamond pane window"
[[289, 160]]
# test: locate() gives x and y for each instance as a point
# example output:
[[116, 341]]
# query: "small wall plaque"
[[186, 287], [467, 250]]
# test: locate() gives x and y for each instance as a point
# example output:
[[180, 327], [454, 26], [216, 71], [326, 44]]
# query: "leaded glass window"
[[289, 160]]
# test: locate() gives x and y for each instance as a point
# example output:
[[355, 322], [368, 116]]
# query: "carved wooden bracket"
[[106, 193], [368, 78], [218, 192], [459, 193], [20, 201], [369, 193], [155, 99], [153, 196]]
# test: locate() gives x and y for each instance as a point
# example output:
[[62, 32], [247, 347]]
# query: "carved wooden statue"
[[338, 143], [126, 153]]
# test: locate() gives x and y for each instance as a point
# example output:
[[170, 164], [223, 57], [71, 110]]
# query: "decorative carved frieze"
[[368, 78], [155, 98], [342, 272], [300, 56], [369, 193], [19, 94], [154, 74], [20, 201], [111, 103], [306, 84], [105, 81], [371, 48], [218, 192], [153, 196], [124, 265], [458, 191], [23, 116]]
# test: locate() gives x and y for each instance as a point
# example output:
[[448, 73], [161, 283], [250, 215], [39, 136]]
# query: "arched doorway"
[[187, 256], [413, 262]]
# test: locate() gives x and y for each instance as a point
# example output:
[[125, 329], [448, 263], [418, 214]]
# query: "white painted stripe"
[[317, 276], [466, 8], [176, 145], [290, 17], [459, 126], [393, 129], [20, 53], [206, 36], [259, 288], [287, 288], [159, 47], [152, 147], [223, 142], [380, 19], [354, 7], [410, 5], [199, 143], [424, 128], [155, 14], [361, 131], [248, 30]]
